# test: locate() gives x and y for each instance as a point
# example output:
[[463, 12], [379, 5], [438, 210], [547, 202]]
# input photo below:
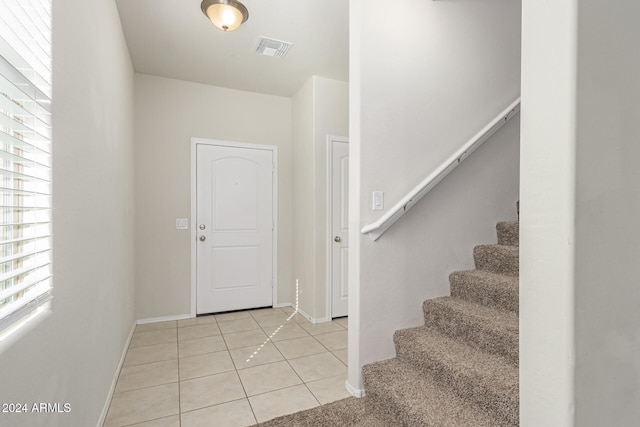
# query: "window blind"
[[25, 157]]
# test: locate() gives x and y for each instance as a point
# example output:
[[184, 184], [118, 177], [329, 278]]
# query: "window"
[[25, 157]]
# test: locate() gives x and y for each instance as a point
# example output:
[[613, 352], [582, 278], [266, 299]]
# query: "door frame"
[[193, 234], [329, 294]]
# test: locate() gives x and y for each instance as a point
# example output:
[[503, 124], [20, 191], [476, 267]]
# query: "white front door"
[[339, 181], [235, 226]]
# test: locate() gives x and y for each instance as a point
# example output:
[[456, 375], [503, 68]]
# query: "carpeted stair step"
[[491, 329], [484, 287], [499, 259], [508, 233], [349, 412], [413, 399], [474, 375]]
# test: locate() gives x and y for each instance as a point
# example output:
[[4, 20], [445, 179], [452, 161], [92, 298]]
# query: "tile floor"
[[232, 369]]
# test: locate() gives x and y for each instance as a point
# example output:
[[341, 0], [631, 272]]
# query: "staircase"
[[458, 370], [461, 367]]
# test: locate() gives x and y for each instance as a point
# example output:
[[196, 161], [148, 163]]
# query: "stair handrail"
[[377, 228]]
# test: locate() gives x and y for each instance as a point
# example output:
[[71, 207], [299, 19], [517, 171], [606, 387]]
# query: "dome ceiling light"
[[227, 15]]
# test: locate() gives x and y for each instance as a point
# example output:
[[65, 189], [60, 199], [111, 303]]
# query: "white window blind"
[[25, 157]]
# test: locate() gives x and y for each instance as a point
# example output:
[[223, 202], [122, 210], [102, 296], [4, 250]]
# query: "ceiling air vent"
[[272, 47]]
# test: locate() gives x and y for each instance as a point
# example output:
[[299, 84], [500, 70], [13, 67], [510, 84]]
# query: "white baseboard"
[[355, 392], [306, 316], [105, 410], [283, 304], [164, 319], [323, 320], [313, 319]]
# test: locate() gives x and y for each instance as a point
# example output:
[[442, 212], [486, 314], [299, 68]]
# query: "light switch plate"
[[182, 224], [378, 200]]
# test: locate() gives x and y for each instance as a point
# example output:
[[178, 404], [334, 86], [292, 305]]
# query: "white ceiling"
[[173, 38]]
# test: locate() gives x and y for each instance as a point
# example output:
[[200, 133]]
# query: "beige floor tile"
[[201, 346], [173, 421], [318, 366], [205, 364], [282, 402], [288, 310], [164, 336], [238, 325], [343, 321], [286, 332], [247, 357], [274, 320], [264, 312], [198, 331], [157, 326], [321, 328], [147, 375], [299, 347], [232, 414], [232, 316], [151, 353], [265, 378], [187, 322], [329, 389], [342, 355], [211, 390], [245, 339], [146, 404], [333, 340], [200, 320]]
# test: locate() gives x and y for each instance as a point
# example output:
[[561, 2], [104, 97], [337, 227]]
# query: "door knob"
[[337, 239], [203, 238]]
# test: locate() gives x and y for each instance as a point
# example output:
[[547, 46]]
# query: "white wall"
[[168, 113], [580, 240], [607, 303], [304, 214], [320, 108], [424, 88], [547, 206], [72, 355]]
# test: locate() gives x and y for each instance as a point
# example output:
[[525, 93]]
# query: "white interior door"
[[339, 182], [234, 225]]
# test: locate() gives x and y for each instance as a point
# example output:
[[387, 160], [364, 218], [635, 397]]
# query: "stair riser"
[[384, 408], [477, 291], [467, 387], [497, 259], [400, 391], [458, 326], [508, 233]]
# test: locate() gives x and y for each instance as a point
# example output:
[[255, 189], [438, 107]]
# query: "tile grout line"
[[244, 390]]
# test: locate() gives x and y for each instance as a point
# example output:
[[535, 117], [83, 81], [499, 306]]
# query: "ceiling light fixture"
[[227, 15]]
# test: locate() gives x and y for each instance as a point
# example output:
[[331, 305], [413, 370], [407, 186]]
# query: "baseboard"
[[323, 320], [164, 319], [306, 316], [355, 392], [283, 304], [105, 410], [313, 319]]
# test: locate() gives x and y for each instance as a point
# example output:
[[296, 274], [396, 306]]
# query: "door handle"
[[203, 238], [337, 239]]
